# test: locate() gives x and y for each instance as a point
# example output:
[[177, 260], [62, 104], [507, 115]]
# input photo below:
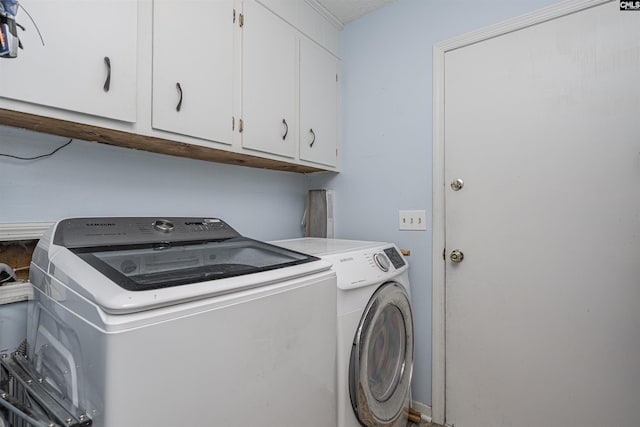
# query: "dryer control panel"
[[365, 267], [388, 256], [356, 263]]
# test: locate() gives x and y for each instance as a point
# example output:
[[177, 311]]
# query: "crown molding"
[[326, 14]]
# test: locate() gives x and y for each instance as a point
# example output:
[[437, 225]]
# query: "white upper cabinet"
[[193, 68], [88, 62], [269, 76], [247, 82], [318, 104]]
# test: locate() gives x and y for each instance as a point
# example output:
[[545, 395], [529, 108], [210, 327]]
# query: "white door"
[[193, 68], [543, 313], [88, 60]]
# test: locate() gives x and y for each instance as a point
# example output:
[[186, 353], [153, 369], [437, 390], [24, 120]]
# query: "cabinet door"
[[88, 61], [269, 76], [318, 104], [193, 68]]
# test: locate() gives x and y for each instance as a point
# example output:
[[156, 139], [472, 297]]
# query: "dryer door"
[[382, 359]]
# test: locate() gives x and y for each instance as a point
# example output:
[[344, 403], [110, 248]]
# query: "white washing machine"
[[139, 322], [375, 329]]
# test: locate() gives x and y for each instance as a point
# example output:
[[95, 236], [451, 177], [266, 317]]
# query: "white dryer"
[[374, 330], [140, 322]]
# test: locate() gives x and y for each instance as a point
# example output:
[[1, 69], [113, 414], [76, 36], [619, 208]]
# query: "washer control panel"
[[93, 232], [163, 225]]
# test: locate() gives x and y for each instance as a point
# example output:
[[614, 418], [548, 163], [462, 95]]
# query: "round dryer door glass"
[[387, 347], [382, 359]]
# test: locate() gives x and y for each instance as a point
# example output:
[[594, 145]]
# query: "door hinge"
[[233, 123], [241, 20], [240, 126], [234, 16]]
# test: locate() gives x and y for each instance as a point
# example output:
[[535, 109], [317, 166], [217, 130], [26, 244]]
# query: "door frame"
[[438, 380]]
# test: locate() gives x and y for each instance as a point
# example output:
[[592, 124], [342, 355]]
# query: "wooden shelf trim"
[[142, 142]]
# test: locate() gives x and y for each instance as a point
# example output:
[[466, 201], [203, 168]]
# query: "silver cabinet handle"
[[286, 129]]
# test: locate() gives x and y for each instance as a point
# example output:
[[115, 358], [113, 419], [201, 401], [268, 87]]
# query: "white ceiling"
[[348, 10]]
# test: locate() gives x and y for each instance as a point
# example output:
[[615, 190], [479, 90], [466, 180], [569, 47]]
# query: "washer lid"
[[167, 264], [143, 253]]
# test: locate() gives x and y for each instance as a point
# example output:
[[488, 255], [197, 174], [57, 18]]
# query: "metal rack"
[[26, 400]]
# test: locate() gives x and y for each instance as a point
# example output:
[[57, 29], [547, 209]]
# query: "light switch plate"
[[413, 220]]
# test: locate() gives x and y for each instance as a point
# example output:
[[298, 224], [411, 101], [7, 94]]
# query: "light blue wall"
[[386, 152], [387, 132], [87, 178]]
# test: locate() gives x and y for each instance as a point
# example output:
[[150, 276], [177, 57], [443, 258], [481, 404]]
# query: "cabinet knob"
[[313, 141], [107, 82]]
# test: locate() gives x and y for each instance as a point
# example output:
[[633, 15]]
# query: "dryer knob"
[[382, 261]]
